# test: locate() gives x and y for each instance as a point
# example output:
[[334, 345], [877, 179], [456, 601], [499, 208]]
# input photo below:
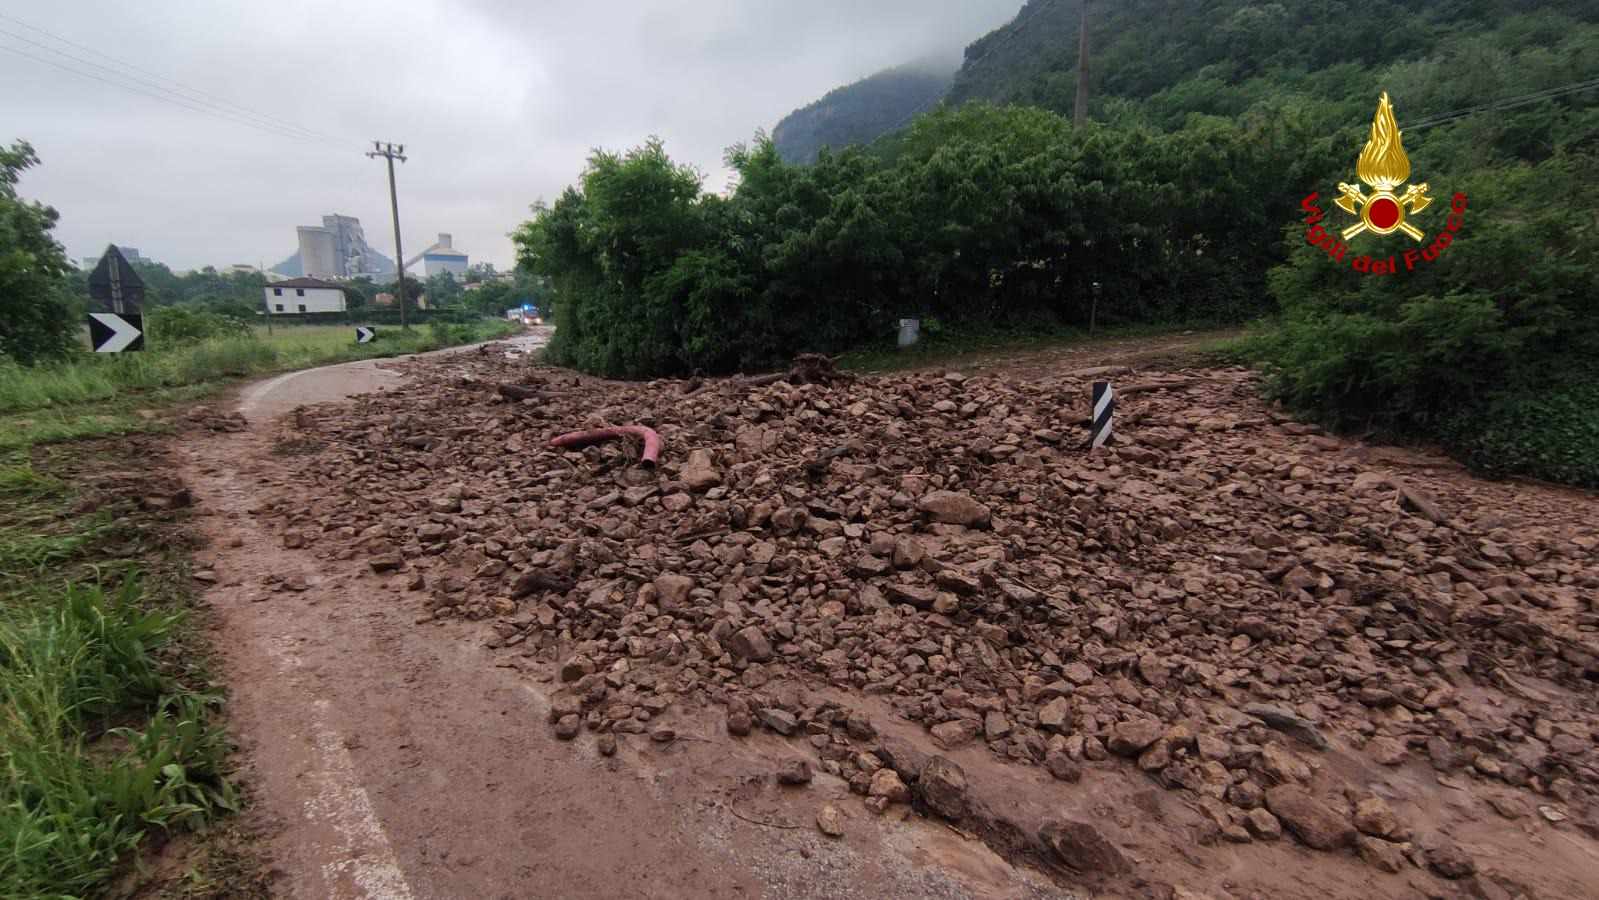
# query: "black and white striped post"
[[1104, 412]]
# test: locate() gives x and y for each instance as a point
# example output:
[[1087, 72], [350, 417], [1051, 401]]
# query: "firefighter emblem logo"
[[1384, 167]]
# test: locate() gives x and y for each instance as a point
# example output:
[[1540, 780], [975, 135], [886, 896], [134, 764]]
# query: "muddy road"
[[1232, 657], [391, 761]]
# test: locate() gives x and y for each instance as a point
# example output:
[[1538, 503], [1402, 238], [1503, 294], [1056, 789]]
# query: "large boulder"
[[1080, 847], [943, 787]]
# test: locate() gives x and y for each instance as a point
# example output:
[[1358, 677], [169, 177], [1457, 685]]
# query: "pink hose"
[[652, 441]]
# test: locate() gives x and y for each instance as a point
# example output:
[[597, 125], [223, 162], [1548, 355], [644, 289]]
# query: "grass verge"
[[89, 378], [110, 734]]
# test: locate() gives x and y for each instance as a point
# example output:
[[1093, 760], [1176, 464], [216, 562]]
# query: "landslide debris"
[[1216, 602]]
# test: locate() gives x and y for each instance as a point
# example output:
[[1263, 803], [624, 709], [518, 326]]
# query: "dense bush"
[[177, 326], [983, 215], [1488, 349]]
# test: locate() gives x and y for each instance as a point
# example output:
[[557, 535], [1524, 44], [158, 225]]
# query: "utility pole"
[[266, 305], [1080, 114], [391, 152]]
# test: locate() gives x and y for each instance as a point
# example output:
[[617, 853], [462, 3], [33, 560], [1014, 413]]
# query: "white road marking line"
[[340, 800], [365, 860]]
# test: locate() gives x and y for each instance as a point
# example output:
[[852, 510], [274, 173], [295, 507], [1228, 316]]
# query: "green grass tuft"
[[82, 787]]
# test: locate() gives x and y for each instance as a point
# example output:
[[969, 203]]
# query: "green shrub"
[[178, 326], [1482, 349], [1548, 431]]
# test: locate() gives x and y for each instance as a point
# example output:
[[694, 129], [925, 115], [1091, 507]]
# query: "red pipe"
[[652, 441]]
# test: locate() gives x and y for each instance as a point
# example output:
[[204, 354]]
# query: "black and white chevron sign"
[[364, 335], [116, 332], [1104, 412]]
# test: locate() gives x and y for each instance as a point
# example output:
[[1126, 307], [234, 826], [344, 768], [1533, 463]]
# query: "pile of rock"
[[1220, 596]]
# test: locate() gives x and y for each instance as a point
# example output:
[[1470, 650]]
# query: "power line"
[[193, 92], [120, 79], [1506, 103], [155, 96], [158, 92]]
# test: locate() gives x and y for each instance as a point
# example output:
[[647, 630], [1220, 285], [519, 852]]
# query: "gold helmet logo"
[[1384, 166]]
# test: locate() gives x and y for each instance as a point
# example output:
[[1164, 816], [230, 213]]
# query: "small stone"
[[794, 772], [1063, 767], [699, 472], [887, 785], [911, 595], [386, 562], [1387, 751], [1380, 854], [954, 508], [995, 725], [1246, 794], [663, 735], [1134, 737], [1235, 834], [576, 668], [673, 590], [606, 744], [568, 727], [1448, 860], [563, 705], [1288, 723], [1313, 822], [1263, 825], [1373, 816], [830, 821], [1055, 714], [1281, 765], [738, 723], [950, 735], [750, 643], [868, 565], [778, 720]]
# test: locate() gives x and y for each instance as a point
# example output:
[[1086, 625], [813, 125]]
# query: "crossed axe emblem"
[[1382, 212]]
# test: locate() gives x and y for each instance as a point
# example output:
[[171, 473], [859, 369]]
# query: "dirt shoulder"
[[1232, 657]]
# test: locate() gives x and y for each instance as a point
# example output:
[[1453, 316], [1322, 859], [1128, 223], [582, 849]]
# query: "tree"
[[358, 292], [442, 290], [491, 298], [413, 290], [37, 320]]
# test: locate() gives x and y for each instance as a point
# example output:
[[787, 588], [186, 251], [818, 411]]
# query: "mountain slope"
[[1221, 57], [861, 112]]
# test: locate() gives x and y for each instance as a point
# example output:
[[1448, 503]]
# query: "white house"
[[303, 295]]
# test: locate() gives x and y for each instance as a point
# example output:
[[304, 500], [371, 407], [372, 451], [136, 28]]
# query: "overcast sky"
[[497, 103]]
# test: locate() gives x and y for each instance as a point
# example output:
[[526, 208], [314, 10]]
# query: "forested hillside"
[[861, 112], [1226, 56]]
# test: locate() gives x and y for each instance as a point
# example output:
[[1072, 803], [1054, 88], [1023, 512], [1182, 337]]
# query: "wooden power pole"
[[391, 152], [1080, 114]]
